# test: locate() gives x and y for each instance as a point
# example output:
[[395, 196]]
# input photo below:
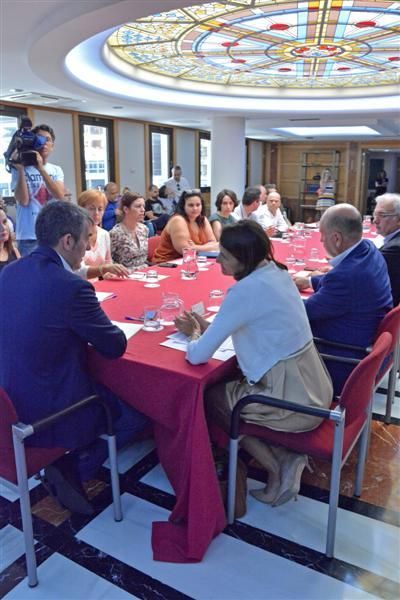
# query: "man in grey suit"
[[387, 221]]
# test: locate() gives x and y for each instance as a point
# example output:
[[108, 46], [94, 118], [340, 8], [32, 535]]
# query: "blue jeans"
[[129, 423], [25, 247]]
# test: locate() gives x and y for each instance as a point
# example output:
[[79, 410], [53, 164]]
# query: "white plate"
[[152, 330], [213, 308], [151, 285]]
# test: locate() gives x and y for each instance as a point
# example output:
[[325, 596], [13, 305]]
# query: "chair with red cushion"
[[19, 462], [333, 440], [153, 243], [391, 324]]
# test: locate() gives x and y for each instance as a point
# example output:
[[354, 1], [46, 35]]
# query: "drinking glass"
[[172, 307], [313, 255], [285, 237], [189, 264], [216, 297], [299, 248], [290, 262], [151, 317], [151, 279], [202, 263]]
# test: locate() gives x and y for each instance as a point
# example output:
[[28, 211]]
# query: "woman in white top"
[[97, 261], [264, 314]]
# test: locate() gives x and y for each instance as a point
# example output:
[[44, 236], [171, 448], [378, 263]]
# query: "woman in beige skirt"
[[265, 316]]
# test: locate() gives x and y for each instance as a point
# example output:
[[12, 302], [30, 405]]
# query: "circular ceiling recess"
[[262, 44]]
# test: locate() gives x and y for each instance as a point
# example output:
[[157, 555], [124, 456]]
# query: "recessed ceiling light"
[[329, 131]]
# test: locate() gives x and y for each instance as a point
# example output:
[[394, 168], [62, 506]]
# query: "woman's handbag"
[[221, 461]]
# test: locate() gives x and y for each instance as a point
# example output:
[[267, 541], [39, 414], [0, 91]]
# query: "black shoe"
[[68, 493]]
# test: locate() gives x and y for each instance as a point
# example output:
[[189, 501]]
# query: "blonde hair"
[[89, 196]]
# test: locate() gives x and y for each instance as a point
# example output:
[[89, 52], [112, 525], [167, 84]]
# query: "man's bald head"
[[345, 219], [340, 227]]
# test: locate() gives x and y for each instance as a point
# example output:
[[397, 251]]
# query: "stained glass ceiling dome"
[[262, 45]]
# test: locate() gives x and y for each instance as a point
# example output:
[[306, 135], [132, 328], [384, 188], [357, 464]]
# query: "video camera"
[[24, 143]]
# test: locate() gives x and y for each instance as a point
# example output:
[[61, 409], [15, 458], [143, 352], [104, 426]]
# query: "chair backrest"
[[153, 243], [358, 389], [391, 323]]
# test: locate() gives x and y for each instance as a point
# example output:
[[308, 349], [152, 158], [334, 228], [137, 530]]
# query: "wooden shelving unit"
[[313, 164]]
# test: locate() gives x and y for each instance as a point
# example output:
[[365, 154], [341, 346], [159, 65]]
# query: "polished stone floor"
[[273, 553]]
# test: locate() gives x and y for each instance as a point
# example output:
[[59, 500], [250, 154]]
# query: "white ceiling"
[[36, 35]]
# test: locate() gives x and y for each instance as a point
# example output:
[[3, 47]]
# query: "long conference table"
[[159, 382]]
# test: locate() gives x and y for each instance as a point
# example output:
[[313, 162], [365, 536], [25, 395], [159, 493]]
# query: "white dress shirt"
[[177, 186], [267, 219], [239, 214]]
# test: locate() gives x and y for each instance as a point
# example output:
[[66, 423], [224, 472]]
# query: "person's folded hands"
[[188, 324]]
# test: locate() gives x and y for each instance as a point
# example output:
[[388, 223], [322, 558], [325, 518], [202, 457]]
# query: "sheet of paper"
[[129, 329], [179, 341], [143, 278], [104, 295]]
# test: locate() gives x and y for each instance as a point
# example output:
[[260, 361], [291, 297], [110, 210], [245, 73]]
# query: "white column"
[[228, 154]]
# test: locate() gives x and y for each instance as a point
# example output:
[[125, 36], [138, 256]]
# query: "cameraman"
[[33, 187]]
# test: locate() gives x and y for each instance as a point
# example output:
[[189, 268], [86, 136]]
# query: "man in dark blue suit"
[[387, 221], [51, 317], [350, 300]]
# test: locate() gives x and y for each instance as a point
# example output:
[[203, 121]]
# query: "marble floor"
[[273, 553]]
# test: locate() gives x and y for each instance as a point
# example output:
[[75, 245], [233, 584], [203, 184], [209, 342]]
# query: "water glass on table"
[[216, 297], [290, 262], [151, 279], [189, 264], [202, 263], [151, 318], [299, 248], [172, 307], [313, 255]]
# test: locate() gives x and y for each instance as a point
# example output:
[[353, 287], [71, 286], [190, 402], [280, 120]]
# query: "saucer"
[[151, 329], [213, 308]]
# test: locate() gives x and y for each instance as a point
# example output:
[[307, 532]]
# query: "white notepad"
[[129, 329], [179, 341], [104, 295]]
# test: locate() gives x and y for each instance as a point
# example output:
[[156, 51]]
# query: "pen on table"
[[128, 318]]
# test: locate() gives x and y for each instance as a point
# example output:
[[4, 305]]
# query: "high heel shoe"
[[263, 454], [267, 494], [292, 470]]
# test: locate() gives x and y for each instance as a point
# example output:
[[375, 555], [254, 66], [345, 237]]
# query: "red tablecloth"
[[159, 382]]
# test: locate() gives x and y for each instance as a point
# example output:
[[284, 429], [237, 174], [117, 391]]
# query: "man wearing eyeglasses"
[[387, 222], [177, 183]]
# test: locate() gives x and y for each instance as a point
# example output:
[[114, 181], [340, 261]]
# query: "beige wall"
[[281, 160]]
